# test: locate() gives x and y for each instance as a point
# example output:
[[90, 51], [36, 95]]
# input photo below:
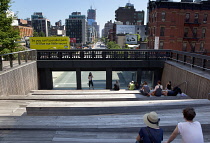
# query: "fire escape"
[[193, 26]]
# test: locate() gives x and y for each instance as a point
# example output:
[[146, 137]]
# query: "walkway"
[[119, 126]]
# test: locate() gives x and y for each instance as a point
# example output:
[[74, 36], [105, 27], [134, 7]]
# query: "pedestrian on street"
[[90, 78]]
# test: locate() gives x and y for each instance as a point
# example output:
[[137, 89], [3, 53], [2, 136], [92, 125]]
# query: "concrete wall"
[[197, 86], [20, 80]]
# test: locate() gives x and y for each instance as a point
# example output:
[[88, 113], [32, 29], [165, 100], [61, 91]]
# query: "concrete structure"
[[120, 127], [179, 26], [193, 82], [129, 16], [76, 27], [19, 80], [40, 24]]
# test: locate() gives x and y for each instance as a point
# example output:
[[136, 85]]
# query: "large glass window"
[[162, 30]]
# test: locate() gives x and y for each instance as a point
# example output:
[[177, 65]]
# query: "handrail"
[[10, 60], [181, 84]]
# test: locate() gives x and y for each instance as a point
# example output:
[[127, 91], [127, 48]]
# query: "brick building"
[[129, 16], [180, 26], [25, 31]]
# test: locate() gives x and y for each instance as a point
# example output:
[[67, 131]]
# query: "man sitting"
[[145, 89]]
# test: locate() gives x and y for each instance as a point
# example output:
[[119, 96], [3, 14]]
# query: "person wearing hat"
[[152, 133], [191, 131]]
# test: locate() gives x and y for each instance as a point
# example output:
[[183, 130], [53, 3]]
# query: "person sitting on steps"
[[145, 89], [173, 92], [131, 85], [116, 85], [158, 90]]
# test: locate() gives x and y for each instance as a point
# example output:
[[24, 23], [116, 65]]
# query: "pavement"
[[91, 116]]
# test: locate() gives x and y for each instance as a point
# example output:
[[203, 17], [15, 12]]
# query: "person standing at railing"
[[90, 78]]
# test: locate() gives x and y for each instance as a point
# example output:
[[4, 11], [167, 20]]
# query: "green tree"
[[35, 34], [113, 45], [42, 34], [8, 34]]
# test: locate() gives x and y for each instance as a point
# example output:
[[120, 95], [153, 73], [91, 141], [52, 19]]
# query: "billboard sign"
[[49, 43], [131, 39], [125, 29]]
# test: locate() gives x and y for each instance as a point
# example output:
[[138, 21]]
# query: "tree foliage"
[[39, 34], [8, 34], [113, 45]]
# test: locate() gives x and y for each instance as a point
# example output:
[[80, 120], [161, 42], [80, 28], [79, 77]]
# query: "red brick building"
[[183, 26], [25, 31]]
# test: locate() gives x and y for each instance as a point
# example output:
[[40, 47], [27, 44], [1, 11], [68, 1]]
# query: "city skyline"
[[54, 11]]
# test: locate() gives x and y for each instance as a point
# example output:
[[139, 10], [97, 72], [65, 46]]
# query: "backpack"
[[158, 92]]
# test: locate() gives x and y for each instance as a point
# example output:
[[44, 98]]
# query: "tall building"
[[129, 16], [91, 14], [92, 24], [76, 27], [182, 26], [40, 24], [107, 27]]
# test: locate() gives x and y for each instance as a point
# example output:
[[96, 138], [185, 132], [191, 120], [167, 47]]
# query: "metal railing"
[[191, 59], [10, 60], [103, 54]]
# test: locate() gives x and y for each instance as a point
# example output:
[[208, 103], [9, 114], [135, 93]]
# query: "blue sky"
[[56, 10]]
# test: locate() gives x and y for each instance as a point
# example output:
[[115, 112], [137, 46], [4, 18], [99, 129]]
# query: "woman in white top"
[[190, 130]]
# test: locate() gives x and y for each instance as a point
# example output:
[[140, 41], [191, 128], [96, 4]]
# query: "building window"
[[162, 30], [184, 47], [203, 33], [202, 46], [187, 17], [193, 47], [163, 16], [155, 16], [161, 45], [186, 32], [196, 18], [154, 31], [195, 32], [205, 18]]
